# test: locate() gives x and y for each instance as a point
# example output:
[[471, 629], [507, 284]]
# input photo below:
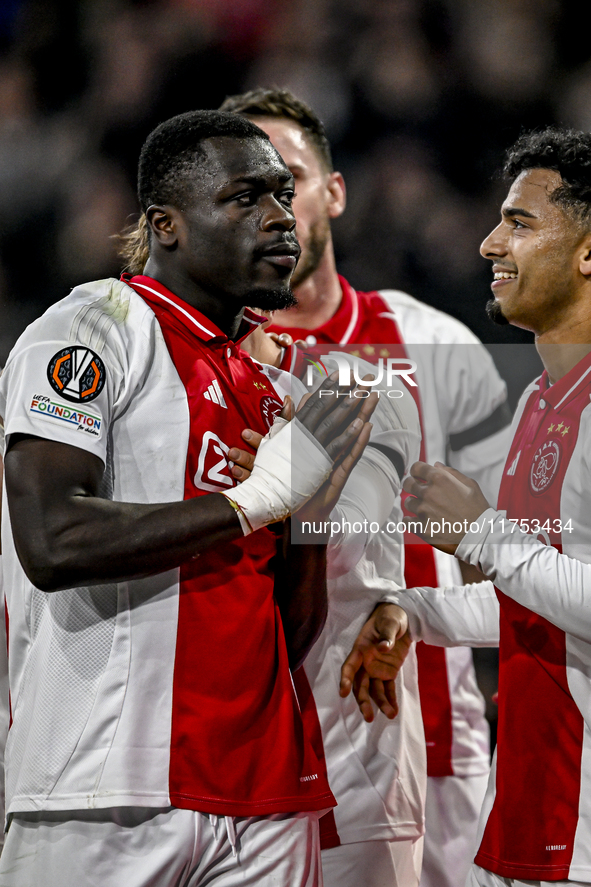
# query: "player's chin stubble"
[[272, 299], [494, 312]]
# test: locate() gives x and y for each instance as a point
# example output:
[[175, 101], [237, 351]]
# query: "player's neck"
[[567, 342], [319, 297], [223, 314], [559, 358]]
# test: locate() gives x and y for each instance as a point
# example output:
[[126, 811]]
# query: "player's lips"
[[285, 255], [502, 276]]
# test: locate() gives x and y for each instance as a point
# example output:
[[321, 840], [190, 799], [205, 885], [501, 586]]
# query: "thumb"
[[391, 622], [453, 471]]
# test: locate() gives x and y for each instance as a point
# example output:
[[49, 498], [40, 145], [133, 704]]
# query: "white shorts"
[[373, 864], [451, 824], [478, 877], [154, 847]]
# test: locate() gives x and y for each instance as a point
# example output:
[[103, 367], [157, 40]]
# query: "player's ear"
[[337, 191], [163, 222], [585, 256]]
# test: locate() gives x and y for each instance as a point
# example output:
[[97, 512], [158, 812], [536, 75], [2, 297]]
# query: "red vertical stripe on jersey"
[[238, 744], [419, 569], [329, 836]]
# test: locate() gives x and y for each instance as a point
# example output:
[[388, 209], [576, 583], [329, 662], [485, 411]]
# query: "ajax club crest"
[[77, 374], [544, 466]]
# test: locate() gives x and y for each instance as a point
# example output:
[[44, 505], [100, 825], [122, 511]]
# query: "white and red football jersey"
[[465, 424], [537, 822], [172, 689]]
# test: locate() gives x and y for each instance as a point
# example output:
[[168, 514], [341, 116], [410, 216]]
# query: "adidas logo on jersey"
[[513, 467], [214, 394]]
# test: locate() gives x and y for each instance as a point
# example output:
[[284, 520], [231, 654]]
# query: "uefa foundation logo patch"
[[544, 466], [77, 374]]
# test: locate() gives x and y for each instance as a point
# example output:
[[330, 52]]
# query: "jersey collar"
[[568, 386], [155, 293]]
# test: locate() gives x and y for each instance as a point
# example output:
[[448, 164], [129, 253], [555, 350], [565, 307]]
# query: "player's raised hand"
[[445, 501], [377, 655], [336, 414]]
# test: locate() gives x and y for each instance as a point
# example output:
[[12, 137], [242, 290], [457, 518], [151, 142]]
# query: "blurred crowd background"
[[420, 99]]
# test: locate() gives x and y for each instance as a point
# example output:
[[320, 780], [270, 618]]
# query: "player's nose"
[[495, 244], [278, 216]]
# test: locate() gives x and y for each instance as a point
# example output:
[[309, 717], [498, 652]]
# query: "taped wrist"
[[289, 467]]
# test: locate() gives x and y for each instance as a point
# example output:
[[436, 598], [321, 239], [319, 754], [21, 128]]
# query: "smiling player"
[[535, 823]]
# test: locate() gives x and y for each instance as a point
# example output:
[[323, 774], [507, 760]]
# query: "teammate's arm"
[[300, 571], [66, 535], [456, 615], [536, 575]]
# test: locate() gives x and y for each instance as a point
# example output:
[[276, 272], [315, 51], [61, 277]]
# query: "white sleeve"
[[72, 370], [452, 616], [395, 420], [370, 493], [537, 576], [367, 498]]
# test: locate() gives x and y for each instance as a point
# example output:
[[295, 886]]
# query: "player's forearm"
[[452, 616], [364, 506], [300, 591], [96, 540], [537, 576]]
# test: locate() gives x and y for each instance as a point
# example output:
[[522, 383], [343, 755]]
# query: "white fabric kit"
[[373, 864], [457, 833], [478, 877], [154, 847]]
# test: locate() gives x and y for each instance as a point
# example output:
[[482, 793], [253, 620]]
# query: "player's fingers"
[[378, 695], [341, 473], [323, 399], [251, 437], [287, 411], [390, 691], [415, 488], [242, 460], [283, 339], [368, 405], [344, 441], [412, 504], [349, 669], [362, 695], [468, 481], [421, 471]]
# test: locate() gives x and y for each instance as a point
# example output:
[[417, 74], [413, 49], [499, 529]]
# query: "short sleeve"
[[64, 375]]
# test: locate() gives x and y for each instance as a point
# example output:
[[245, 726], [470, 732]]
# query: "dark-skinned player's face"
[[237, 227]]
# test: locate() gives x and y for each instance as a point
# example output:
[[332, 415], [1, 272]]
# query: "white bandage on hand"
[[289, 467]]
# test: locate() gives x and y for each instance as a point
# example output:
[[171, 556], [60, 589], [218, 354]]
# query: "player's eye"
[[245, 198], [286, 197], [517, 224]]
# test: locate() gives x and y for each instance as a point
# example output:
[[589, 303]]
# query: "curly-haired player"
[[535, 823]]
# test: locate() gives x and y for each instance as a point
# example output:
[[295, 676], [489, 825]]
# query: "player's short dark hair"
[[566, 151], [283, 105], [173, 151]]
